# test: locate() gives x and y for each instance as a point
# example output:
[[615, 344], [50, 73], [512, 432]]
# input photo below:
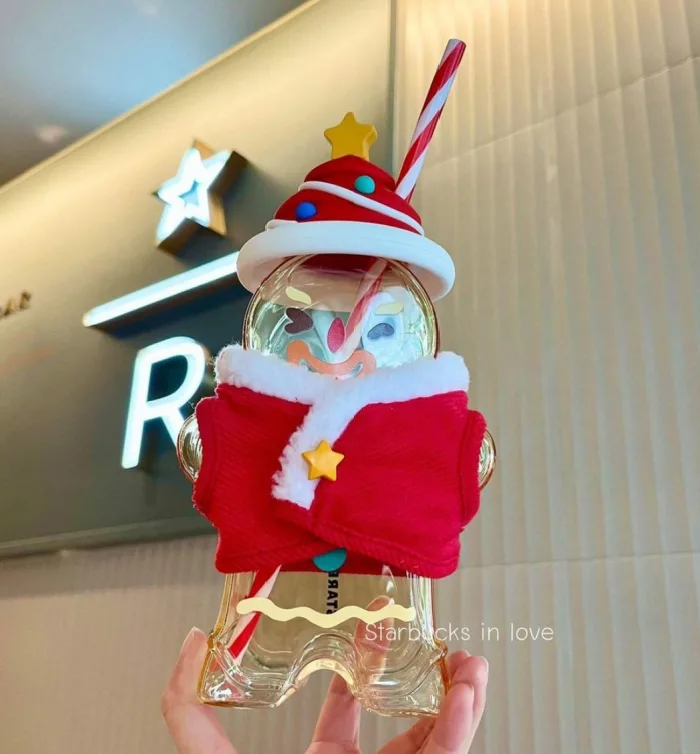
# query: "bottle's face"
[[342, 316]]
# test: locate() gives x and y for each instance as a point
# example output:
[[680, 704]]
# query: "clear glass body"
[[346, 317]]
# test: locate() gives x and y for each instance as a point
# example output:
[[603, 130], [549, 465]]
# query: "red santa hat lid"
[[348, 206]]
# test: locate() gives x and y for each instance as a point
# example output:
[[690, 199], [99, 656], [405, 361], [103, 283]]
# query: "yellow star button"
[[323, 462], [351, 137]]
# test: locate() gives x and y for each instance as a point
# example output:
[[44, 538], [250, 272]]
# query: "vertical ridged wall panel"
[[565, 180]]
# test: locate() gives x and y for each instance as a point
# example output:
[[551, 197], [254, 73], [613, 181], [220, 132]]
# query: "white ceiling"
[[69, 67]]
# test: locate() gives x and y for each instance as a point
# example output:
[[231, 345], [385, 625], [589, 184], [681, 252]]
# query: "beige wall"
[[566, 181]]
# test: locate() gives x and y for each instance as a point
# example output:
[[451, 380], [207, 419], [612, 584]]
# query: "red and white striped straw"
[[262, 585], [369, 286], [429, 117]]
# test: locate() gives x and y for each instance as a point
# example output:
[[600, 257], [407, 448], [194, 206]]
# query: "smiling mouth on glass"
[[358, 362]]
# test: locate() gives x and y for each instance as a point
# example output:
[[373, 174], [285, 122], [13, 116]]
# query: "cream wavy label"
[[284, 614]]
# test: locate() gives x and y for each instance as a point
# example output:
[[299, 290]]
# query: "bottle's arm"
[[189, 449], [487, 459]]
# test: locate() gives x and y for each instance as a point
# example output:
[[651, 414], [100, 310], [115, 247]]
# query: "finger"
[[454, 661], [193, 726], [462, 709], [412, 740], [339, 720], [479, 669]]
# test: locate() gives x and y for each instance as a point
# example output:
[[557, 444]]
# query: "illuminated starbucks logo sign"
[[193, 200]]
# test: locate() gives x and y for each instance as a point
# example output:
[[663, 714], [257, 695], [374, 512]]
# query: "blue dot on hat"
[[364, 184], [305, 211], [330, 561]]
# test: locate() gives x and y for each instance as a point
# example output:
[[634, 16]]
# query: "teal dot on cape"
[[330, 561]]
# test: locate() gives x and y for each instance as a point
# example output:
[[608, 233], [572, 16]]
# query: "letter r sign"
[[166, 408]]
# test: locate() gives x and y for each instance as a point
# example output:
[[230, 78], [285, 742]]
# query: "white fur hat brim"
[[428, 261]]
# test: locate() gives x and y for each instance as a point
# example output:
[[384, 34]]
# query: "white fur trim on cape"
[[334, 403], [268, 374], [428, 261]]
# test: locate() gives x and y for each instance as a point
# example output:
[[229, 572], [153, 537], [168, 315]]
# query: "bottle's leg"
[[423, 701], [222, 683]]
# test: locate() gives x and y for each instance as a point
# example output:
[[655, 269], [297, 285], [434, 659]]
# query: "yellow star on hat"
[[351, 137], [323, 461]]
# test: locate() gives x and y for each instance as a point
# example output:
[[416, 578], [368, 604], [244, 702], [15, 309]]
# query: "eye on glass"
[[382, 330], [299, 321]]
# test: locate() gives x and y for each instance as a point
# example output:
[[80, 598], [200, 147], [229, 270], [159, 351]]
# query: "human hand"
[[195, 729]]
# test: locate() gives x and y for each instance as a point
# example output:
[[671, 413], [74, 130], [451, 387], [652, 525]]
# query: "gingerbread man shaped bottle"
[[339, 459]]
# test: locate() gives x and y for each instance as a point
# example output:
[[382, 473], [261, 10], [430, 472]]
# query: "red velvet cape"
[[407, 486]]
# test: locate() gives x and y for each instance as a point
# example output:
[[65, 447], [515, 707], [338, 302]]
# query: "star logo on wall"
[[193, 198]]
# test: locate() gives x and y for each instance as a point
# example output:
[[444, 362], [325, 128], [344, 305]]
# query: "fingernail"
[[188, 638], [471, 671]]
